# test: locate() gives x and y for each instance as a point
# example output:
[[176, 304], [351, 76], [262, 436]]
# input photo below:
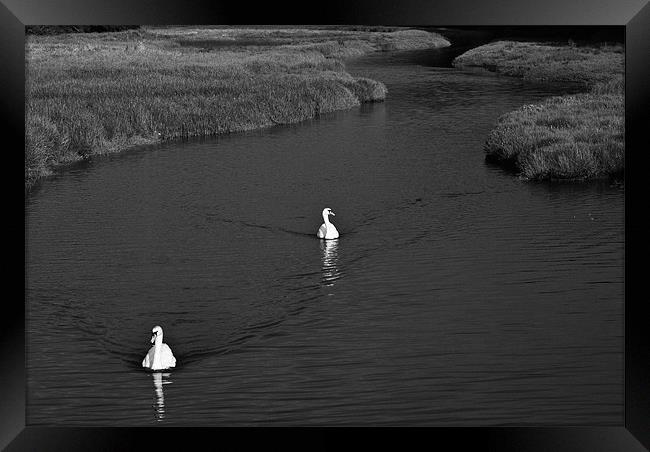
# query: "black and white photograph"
[[324, 225]]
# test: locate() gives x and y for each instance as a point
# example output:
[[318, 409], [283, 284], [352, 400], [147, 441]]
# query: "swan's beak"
[[153, 338], [332, 213]]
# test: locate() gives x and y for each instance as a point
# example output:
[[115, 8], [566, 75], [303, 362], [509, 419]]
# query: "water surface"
[[456, 295]]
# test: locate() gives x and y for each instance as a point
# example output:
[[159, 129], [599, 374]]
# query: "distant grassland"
[[90, 94], [574, 137]]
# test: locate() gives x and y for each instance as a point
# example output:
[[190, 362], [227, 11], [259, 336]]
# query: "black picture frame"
[[633, 15]]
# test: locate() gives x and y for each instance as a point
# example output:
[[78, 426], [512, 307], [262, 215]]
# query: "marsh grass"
[[573, 137], [335, 42], [567, 137], [547, 63], [93, 94]]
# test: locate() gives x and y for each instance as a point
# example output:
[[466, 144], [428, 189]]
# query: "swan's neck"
[[326, 219], [159, 342]]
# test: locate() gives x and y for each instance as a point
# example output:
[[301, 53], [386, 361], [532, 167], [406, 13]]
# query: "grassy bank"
[[567, 137], [339, 42], [90, 94], [60, 29]]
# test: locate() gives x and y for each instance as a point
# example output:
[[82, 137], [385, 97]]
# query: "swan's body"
[[160, 356], [327, 230]]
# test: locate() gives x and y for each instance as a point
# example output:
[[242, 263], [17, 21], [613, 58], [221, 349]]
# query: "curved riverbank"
[[572, 137], [216, 239], [91, 94]]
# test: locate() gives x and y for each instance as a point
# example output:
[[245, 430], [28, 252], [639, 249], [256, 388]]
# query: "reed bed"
[[586, 65], [566, 137], [90, 94], [572, 137]]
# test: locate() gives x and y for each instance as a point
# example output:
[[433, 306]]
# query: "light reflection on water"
[[331, 272], [160, 379]]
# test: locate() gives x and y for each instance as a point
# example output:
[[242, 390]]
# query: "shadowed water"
[[456, 294]]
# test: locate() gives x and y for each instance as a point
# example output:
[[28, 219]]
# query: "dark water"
[[457, 294]]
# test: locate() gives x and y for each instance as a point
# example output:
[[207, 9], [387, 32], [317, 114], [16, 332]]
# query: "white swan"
[[327, 230], [160, 356]]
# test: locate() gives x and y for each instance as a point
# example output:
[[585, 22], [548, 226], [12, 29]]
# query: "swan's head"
[[327, 211], [156, 332]]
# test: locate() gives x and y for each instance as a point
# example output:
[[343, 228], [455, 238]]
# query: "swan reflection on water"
[[330, 269], [160, 379]]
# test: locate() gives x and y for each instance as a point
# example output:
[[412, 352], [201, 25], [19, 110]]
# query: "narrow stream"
[[457, 294]]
